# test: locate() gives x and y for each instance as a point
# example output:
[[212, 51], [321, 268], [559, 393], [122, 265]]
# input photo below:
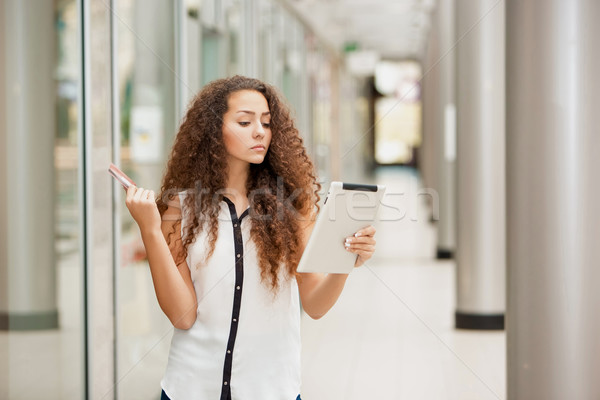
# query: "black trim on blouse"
[[237, 297]]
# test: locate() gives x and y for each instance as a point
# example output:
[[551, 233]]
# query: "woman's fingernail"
[[357, 234], [348, 240]]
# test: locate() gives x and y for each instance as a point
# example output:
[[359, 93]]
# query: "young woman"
[[223, 240]]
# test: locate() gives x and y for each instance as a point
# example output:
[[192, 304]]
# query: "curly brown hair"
[[283, 188]]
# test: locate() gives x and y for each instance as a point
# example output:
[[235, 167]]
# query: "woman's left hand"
[[362, 244]]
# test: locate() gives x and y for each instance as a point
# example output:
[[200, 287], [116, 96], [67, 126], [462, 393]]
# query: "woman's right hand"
[[142, 207]]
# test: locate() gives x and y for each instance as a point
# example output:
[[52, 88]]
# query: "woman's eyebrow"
[[252, 112]]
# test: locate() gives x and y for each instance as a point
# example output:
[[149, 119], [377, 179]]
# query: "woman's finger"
[[364, 254], [361, 239], [138, 193], [130, 193], [368, 231], [361, 247]]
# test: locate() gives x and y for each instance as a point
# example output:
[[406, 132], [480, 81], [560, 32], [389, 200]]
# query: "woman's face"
[[246, 127]]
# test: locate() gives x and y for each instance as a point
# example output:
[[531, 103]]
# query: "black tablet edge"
[[359, 186]]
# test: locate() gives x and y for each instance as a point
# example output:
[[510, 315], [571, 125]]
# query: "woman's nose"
[[260, 130]]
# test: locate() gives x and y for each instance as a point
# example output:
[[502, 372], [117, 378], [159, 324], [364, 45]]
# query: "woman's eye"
[[244, 123], [266, 125]]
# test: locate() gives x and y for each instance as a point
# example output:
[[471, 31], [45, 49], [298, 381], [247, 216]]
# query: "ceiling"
[[395, 29]]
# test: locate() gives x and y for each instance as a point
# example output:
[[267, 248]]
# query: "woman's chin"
[[257, 160]]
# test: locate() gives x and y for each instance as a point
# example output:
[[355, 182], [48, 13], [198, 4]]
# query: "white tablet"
[[347, 208]]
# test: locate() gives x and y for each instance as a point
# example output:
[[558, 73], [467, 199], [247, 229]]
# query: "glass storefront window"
[[232, 26], [41, 277], [212, 55], [147, 86]]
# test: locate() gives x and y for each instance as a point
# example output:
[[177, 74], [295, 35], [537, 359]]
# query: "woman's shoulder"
[[174, 200], [175, 203]]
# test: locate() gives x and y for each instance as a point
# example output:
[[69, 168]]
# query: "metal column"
[[428, 158], [446, 130], [28, 264], [553, 215], [480, 165]]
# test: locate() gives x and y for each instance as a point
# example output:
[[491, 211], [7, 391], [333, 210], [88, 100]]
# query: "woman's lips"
[[258, 147]]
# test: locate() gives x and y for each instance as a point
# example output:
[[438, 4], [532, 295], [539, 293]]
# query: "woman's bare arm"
[[172, 283]]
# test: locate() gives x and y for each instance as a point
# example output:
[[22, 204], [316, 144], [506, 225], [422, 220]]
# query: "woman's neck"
[[237, 178]]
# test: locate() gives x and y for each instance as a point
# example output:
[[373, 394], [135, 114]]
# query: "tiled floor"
[[390, 336]]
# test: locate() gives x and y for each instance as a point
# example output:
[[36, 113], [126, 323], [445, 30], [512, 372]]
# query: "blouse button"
[[234, 320], [225, 383], [235, 225], [239, 255], [228, 351], [238, 288]]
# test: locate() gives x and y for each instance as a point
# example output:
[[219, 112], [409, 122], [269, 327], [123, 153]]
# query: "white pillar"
[[480, 165], [27, 262], [3, 186], [553, 147], [428, 154], [446, 131]]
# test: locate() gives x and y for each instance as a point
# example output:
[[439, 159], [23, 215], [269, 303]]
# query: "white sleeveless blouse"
[[245, 343]]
